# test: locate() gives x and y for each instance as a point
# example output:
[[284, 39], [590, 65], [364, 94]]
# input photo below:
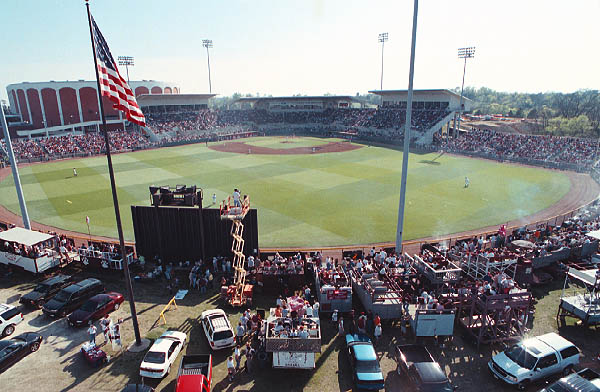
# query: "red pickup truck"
[[195, 373]]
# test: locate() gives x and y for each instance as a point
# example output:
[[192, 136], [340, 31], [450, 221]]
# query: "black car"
[[46, 290], [12, 350], [72, 297]]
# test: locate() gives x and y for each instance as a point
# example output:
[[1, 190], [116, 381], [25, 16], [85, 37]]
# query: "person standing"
[[377, 333], [92, 333], [214, 197], [105, 324], [249, 356], [341, 327], [237, 354], [74, 172], [334, 317], [467, 182], [236, 198], [230, 368], [240, 333]]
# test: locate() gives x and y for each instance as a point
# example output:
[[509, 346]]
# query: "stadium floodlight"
[[383, 37], [207, 43], [127, 61], [463, 53]]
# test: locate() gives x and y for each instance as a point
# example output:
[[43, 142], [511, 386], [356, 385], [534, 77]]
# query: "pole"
[[209, 83], [136, 328], [382, 46], [461, 93], [127, 68], [407, 128], [15, 171]]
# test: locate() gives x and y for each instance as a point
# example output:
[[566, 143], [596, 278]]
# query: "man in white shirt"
[[236, 198]]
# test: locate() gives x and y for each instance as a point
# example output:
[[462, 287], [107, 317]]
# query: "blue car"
[[366, 372]]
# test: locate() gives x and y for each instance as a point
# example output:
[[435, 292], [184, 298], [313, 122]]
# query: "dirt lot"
[[58, 365]]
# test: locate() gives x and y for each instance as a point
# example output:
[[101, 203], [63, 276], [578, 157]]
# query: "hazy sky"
[[282, 47]]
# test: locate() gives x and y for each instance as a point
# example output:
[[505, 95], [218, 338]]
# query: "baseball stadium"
[[421, 240]]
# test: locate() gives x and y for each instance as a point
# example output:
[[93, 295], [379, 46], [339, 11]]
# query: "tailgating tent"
[[24, 236], [594, 234]]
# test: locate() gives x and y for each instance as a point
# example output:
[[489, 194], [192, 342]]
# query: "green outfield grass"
[[302, 200]]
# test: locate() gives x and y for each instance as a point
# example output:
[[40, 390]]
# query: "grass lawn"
[[302, 200]]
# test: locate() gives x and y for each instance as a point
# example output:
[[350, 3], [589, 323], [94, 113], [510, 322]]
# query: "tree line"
[[565, 114]]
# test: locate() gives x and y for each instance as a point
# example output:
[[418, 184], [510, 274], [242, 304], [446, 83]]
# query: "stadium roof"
[[173, 99], [439, 91], [298, 97]]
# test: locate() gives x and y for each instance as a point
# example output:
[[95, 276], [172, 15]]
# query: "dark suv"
[[71, 297], [45, 290]]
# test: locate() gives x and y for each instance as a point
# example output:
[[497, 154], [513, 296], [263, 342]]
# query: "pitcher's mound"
[[243, 148]]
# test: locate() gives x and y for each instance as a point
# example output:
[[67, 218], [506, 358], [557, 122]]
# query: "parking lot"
[[59, 365]]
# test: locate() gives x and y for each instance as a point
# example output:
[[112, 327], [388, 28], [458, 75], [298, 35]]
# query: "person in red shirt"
[[377, 320]]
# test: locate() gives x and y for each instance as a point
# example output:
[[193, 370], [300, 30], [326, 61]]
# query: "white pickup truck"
[[534, 359]]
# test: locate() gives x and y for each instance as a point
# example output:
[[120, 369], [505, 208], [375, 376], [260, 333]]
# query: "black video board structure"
[[187, 234]]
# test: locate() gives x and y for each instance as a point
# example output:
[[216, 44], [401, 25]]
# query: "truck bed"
[[195, 364]]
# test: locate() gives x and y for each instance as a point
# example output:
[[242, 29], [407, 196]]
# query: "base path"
[[243, 148]]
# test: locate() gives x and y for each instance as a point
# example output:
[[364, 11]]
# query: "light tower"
[[383, 37], [207, 43], [127, 61], [463, 53]]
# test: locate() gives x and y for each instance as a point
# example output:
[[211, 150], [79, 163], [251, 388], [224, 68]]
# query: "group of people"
[[88, 143], [501, 145]]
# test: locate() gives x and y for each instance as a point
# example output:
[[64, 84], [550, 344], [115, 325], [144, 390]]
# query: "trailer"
[[382, 297], [36, 250], [583, 305], [293, 352], [431, 322], [333, 289]]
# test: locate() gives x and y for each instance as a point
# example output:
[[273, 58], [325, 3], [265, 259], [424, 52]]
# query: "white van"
[[534, 359]]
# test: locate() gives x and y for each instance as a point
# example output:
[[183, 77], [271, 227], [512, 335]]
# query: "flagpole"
[[15, 171], [136, 327]]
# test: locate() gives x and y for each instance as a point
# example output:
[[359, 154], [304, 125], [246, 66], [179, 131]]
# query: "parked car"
[[158, 360], [45, 290], [72, 297], [534, 359], [13, 350], [10, 316], [366, 372], [416, 363], [195, 373], [95, 308], [585, 380], [217, 329]]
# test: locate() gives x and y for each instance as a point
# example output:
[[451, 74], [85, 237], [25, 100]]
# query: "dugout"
[[179, 234]]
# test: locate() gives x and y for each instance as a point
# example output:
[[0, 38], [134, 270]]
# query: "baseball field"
[[329, 195]]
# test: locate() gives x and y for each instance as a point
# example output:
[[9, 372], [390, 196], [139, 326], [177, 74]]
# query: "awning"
[[24, 236], [594, 234], [585, 276]]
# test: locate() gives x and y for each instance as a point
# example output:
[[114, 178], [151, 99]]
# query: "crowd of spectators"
[[88, 143], [500, 145]]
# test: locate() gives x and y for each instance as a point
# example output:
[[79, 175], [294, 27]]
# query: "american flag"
[[112, 85]]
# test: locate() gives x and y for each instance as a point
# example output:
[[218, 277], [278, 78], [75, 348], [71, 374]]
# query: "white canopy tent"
[[594, 234], [24, 236]]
